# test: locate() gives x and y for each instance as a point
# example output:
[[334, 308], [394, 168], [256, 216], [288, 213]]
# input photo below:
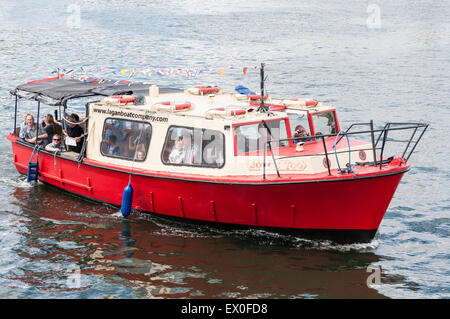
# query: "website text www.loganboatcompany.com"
[[146, 117]]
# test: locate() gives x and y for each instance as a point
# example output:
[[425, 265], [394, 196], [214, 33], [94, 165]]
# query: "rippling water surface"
[[58, 245]]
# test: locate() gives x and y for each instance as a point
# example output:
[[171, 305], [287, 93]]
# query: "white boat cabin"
[[215, 134]]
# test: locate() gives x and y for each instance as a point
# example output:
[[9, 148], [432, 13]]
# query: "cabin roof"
[[54, 91], [201, 104]]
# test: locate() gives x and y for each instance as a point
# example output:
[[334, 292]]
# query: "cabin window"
[[125, 139], [324, 123], [251, 137], [189, 146]]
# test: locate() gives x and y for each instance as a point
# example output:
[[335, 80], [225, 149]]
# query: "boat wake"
[[20, 182], [256, 237]]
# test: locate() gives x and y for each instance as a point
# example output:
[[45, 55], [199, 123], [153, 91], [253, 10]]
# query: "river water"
[[380, 60]]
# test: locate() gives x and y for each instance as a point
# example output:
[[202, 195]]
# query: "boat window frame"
[[122, 157], [192, 165], [287, 125], [311, 121]]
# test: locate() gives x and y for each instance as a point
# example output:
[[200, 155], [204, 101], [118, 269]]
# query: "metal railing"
[[418, 129]]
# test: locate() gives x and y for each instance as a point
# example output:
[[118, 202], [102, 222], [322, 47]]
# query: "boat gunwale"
[[262, 182]]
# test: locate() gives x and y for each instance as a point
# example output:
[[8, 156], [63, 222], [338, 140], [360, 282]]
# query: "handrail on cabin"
[[383, 133]]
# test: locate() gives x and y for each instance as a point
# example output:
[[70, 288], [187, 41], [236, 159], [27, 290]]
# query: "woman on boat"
[[301, 135], [178, 154], [49, 130]]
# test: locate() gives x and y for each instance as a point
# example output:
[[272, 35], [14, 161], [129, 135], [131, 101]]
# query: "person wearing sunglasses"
[[55, 145]]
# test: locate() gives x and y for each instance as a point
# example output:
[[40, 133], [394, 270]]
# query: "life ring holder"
[[121, 99], [171, 106], [225, 112]]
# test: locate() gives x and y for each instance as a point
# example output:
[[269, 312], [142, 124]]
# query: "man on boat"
[[77, 133], [23, 125], [55, 145], [29, 132]]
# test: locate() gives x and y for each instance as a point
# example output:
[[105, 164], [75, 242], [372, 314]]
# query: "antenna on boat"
[[262, 107]]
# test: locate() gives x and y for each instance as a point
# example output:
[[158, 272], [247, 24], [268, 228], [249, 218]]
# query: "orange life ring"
[[203, 89], [122, 99], [225, 112], [256, 96], [272, 107], [169, 106], [297, 102]]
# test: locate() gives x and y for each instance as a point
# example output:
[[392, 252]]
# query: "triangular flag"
[[222, 71]]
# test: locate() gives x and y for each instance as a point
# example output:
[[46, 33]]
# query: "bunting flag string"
[[85, 74]]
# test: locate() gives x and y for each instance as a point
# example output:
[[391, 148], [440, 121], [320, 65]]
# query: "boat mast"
[[262, 107]]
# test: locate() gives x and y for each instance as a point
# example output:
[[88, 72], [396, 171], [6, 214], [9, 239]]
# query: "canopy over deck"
[[56, 91]]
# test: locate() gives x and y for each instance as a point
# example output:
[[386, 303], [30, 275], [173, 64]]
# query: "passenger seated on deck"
[[29, 132], [177, 154], [301, 135], [55, 145], [23, 125], [48, 129]]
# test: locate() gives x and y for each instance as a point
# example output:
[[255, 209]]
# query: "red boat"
[[201, 155]]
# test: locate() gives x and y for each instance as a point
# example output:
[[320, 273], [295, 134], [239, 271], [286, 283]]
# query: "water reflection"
[[148, 257]]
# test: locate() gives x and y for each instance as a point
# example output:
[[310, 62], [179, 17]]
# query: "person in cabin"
[[140, 156], [177, 154], [190, 149], [23, 125], [301, 135], [112, 148], [135, 140], [76, 132], [118, 128], [55, 145], [264, 136]]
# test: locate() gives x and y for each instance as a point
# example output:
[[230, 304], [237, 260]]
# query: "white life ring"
[[171, 107], [225, 112], [121, 99], [297, 102]]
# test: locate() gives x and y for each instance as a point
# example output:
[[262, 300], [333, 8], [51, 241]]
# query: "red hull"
[[353, 205]]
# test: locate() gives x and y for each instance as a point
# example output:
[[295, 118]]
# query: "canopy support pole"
[[15, 116], [37, 122]]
